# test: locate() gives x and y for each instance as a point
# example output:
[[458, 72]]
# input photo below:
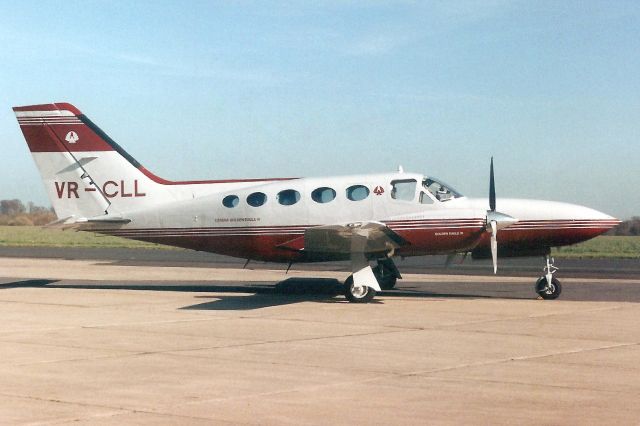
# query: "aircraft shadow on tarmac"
[[27, 284], [323, 290], [257, 295]]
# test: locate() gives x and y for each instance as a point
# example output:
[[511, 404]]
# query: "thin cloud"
[[376, 44]]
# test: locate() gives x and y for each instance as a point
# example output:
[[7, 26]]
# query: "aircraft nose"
[[577, 215], [553, 210], [557, 217], [586, 213]]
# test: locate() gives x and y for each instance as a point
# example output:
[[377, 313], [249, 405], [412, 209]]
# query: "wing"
[[357, 240], [364, 237]]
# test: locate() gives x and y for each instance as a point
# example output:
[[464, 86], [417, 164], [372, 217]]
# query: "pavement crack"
[[518, 358]]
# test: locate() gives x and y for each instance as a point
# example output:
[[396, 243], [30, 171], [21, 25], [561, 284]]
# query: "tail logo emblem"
[[72, 137]]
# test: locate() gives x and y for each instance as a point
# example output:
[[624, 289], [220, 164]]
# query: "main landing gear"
[[548, 287], [357, 294], [386, 274]]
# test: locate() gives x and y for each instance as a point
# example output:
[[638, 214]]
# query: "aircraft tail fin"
[[85, 172]]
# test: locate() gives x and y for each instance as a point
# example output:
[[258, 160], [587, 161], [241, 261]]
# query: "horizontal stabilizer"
[[86, 223]]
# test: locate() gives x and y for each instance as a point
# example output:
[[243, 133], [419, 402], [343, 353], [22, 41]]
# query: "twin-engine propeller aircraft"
[[94, 185]]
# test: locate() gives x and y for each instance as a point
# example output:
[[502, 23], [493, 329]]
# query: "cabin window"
[[425, 199], [230, 201], [357, 192], [288, 197], [323, 195], [257, 199], [403, 189]]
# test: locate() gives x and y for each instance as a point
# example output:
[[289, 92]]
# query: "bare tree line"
[[14, 212], [627, 228]]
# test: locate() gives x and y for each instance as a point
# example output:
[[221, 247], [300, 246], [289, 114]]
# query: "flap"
[[369, 237]]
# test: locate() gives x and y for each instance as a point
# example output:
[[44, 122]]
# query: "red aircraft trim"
[[423, 242], [161, 181], [589, 227]]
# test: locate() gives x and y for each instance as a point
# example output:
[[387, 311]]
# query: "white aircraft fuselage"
[[275, 232]]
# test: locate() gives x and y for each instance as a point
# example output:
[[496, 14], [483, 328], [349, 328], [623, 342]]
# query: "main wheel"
[[551, 292], [356, 294]]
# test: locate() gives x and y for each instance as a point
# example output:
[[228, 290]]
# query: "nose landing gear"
[[548, 287]]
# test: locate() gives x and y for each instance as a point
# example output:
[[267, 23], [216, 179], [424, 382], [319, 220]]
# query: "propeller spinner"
[[495, 220]]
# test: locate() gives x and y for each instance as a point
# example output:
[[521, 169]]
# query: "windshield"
[[440, 190]]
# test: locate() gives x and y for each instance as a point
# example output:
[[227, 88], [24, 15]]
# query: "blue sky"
[[296, 88]]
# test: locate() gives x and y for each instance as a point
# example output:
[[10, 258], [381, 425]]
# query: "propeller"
[[495, 219]]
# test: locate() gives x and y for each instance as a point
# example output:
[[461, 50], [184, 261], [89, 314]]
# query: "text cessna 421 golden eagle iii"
[[94, 185]]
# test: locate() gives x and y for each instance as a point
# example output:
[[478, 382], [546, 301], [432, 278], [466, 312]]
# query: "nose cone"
[[542, 210], [565, 211], [558, 223]]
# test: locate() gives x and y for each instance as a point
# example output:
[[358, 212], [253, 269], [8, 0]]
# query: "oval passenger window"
[[288, 197], [257, 199], [230, 201], [357, 192], [323, 195]]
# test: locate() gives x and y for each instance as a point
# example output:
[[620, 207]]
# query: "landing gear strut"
[[547, 286], [386, 273]]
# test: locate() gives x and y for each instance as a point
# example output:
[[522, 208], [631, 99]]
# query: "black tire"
[[386, 280], [548, 294], [355, 297]]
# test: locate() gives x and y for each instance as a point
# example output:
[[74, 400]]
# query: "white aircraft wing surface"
[[359, 237]]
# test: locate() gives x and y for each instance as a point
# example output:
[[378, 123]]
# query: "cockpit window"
[[425, 198], [440, 190], [403, 189]]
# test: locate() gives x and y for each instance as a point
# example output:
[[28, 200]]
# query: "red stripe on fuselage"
[[162, 181], [261, 242]]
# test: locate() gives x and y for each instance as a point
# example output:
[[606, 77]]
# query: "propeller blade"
[[494, 245], [492, 189]]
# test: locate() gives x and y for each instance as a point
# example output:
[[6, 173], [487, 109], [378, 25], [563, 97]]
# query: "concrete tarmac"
[[107, 342]]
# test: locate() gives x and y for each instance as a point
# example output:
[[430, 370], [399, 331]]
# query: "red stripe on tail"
[[57, 128]]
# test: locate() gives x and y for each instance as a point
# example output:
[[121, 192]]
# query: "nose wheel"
[[548, 287]]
